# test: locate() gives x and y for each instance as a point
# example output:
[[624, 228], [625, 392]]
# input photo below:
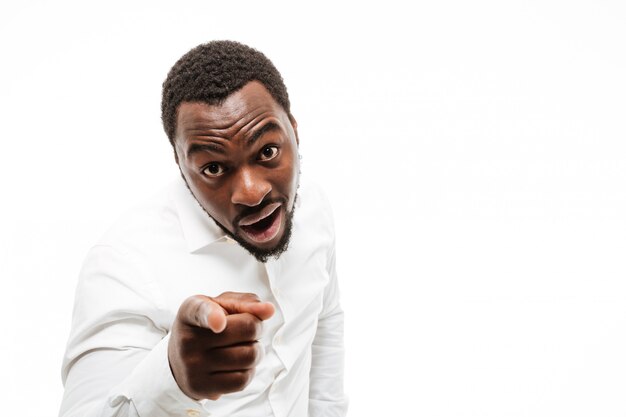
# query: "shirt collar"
[[199, 229]]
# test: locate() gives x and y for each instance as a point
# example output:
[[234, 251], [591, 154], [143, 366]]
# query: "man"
[[218, 296]]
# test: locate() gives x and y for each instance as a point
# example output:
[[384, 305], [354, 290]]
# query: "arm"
[[326, 396], [116, 359]]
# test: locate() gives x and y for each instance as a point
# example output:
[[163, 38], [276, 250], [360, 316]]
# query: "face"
[[240, 161]]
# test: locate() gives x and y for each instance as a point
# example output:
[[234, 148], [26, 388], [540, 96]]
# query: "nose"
[[249, 189]]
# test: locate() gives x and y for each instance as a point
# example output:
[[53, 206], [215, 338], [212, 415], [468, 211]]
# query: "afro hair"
[[211, 72]]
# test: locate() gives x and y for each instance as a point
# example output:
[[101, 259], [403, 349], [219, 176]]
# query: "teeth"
[[265, 212]]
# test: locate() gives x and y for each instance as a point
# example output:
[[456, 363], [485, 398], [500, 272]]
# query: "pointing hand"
[[213, 348]]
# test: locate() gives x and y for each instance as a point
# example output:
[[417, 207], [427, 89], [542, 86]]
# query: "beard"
[[261, 255]]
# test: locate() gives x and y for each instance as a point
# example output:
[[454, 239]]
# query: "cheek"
[[285, 177], [210, 198], [217, 207]]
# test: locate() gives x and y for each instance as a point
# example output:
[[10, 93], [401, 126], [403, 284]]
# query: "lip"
[[263, 213], [270, 232]]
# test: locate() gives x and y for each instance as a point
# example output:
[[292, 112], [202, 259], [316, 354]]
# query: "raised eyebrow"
[[204, 147], [268, 127]]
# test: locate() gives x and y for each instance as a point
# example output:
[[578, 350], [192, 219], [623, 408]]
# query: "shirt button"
[[193, 413]]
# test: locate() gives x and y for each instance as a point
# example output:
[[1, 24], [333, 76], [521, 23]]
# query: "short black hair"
[[211, 72]]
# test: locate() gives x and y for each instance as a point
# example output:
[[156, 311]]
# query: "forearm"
[[116, 360], [125, 383], [326, 393]]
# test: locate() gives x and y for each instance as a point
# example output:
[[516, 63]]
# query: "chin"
[[264, 253], [272, 248]]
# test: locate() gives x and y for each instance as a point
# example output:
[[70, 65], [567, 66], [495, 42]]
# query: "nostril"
[[249, 190], [249, 197]]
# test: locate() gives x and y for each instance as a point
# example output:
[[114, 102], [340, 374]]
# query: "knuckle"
[[241, 296], [196, 315], [249, 355], [248, 296], [213, 397], [235, 381], [242, 379], [227, 294], [190, 309], [258, 328], [247, 377], [250, 329], [190, 302]]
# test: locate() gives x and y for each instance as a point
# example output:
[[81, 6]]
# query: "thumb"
[[237, 302], [202, 311]]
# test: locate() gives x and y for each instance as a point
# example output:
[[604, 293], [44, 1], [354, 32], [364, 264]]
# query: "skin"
[[236, 158], [213, 347]]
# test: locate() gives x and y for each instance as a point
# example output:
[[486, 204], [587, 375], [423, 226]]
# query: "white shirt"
[[134, 280]]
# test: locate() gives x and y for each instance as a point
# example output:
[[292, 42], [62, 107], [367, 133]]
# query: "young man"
[[219, 296]]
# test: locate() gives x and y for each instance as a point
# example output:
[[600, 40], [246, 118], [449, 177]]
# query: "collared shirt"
[[134, 280]]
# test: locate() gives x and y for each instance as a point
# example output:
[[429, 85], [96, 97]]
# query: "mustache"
[[253, 210]]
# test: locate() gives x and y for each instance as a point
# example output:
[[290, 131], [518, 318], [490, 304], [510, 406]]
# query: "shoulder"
[[313, 194], [313, 226], [153, 220], [313, 202]]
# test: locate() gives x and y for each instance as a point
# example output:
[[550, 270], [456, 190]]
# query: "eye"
[[268, 152], [213, 170]]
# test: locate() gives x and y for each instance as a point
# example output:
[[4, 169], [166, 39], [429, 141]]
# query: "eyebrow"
[[268, 127], [204, 147], [212, 147]]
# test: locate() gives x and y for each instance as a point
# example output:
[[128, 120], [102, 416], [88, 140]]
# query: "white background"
[[474, 153]]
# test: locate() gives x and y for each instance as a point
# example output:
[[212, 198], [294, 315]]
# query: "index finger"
[[237, 302]]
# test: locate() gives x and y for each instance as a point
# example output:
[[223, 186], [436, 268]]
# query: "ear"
[[294, 124], [175, 149]]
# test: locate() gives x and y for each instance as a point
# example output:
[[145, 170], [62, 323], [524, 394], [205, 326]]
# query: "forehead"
[[239, 109]]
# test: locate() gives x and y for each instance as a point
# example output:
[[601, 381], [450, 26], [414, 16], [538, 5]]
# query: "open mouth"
[[263, 226]]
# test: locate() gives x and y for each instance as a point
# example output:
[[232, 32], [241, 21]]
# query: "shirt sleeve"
[[116, 362], [326, 394]]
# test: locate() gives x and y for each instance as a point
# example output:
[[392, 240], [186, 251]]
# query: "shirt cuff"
[[152, 390]]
